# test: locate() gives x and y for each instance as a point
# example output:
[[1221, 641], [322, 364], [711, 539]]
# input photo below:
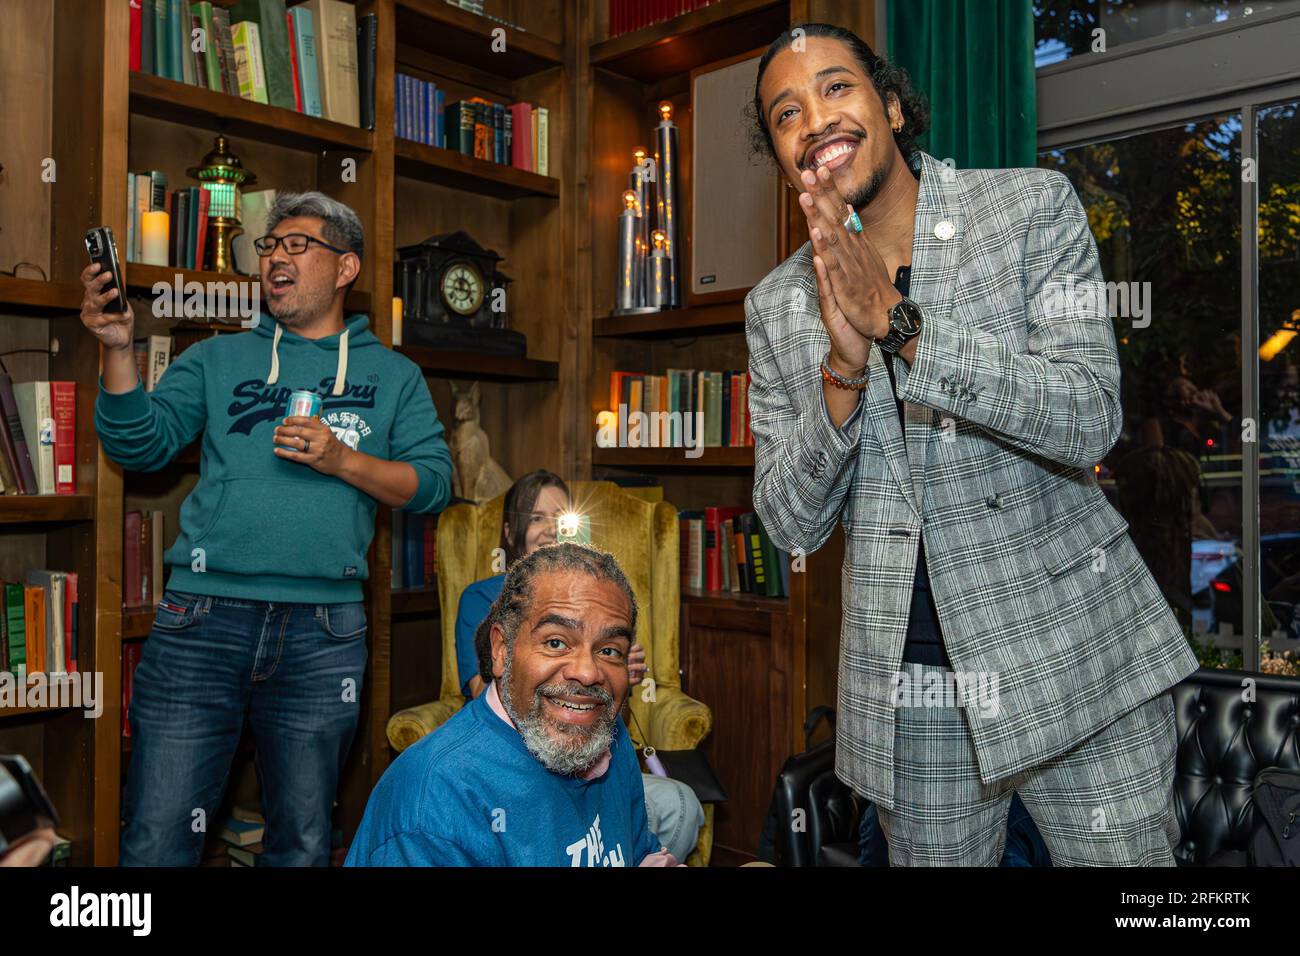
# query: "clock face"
[[462, 288]]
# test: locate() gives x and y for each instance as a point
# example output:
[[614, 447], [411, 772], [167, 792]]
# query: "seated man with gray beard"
[[538, 770]]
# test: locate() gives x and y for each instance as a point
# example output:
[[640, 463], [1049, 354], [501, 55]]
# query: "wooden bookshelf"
[[28, 509], [447, 31], [674, 323], [479, 365], [137, 622], [654, 458], [415, 602], [29, 711], [737, 600], [219, 112], [35, 297], [673, 47], [446, 167]]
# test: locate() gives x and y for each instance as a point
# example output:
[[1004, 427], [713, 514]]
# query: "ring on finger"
[[306, 445], [851, 222]]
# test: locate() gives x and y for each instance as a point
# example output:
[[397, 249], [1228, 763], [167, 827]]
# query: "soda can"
[[304, 403]]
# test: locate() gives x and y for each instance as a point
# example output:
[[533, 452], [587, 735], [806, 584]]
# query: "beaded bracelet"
[[839, 381]]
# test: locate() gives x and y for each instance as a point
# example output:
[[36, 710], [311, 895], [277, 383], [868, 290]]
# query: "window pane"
[[1165, 210], [1064, 28], [1278, 131]]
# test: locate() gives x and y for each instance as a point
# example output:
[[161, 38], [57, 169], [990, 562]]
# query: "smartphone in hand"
[[103, 250]]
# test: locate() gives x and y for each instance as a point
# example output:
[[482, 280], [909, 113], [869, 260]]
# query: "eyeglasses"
[[295, 243]]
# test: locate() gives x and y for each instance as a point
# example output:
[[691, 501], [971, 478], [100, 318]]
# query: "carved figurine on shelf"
[[476, 475]]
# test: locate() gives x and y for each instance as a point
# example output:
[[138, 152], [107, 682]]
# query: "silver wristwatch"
[[904, 324]]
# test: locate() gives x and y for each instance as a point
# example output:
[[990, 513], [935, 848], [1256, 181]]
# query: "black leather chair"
[[1224, 741]]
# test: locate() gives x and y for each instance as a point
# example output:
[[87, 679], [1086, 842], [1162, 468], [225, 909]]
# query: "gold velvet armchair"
[[643, 537]]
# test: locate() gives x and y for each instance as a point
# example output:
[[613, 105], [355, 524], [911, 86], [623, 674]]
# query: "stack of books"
[[38, 437], [316, 58], [38, 624], [187, 217], [243, 834], [663, 401], [726, 549]]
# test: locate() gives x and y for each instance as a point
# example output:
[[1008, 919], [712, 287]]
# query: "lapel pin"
[[944, 230]]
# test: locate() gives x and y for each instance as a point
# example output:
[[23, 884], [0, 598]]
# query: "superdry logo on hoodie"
[[256, 402]]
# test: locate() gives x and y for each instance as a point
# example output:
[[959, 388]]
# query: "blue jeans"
[[294, 670]]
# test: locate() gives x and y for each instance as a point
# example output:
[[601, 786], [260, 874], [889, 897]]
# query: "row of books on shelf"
[[726, 549], [142, 558], [316, 58], [414, 550], [38, 436], [628, 15], [722, 398], [38, 624], [185, 228], [153, 353], [513, 134]]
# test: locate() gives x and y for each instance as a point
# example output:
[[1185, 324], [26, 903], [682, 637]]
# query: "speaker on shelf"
[[735, 199]]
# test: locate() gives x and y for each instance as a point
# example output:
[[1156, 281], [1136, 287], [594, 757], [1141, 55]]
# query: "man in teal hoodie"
[[262, 618]]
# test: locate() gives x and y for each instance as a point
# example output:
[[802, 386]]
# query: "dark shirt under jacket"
[[924, 643]]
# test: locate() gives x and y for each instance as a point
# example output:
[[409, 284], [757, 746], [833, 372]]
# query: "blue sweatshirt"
[[261, 527], [470, 794], [475, 602]]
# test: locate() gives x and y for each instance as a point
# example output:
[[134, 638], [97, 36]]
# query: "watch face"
[[462, 288], [905, 317]]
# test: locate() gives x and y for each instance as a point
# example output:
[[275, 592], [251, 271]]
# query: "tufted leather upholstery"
[[1223, 743]]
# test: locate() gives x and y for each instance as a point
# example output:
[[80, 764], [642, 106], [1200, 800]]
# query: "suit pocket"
[[1070, 541]]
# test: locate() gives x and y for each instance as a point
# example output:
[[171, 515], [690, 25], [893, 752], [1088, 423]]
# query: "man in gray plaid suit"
[[936, 370]]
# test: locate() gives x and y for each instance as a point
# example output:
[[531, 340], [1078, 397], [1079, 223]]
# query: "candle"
[[658, 274], [666, 198], [397, 321], [628, 258], [154, 230]]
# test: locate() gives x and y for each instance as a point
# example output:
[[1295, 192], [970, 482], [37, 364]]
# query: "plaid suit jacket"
[[1013, 396]]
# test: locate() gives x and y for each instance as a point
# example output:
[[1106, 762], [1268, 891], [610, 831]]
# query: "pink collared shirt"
[[597, 769]]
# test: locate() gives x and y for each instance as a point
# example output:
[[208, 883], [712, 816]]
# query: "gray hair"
[[341, 227], [512, 604]]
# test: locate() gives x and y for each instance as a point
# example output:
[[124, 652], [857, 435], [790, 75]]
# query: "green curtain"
[[974, 60]]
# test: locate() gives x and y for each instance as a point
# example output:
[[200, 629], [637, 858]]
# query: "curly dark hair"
[[885, 76]]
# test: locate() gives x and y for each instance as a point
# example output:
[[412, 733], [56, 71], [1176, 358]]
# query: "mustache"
[[574, 689]]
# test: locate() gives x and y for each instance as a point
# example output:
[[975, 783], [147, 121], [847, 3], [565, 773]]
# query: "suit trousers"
[[1106, 802]]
